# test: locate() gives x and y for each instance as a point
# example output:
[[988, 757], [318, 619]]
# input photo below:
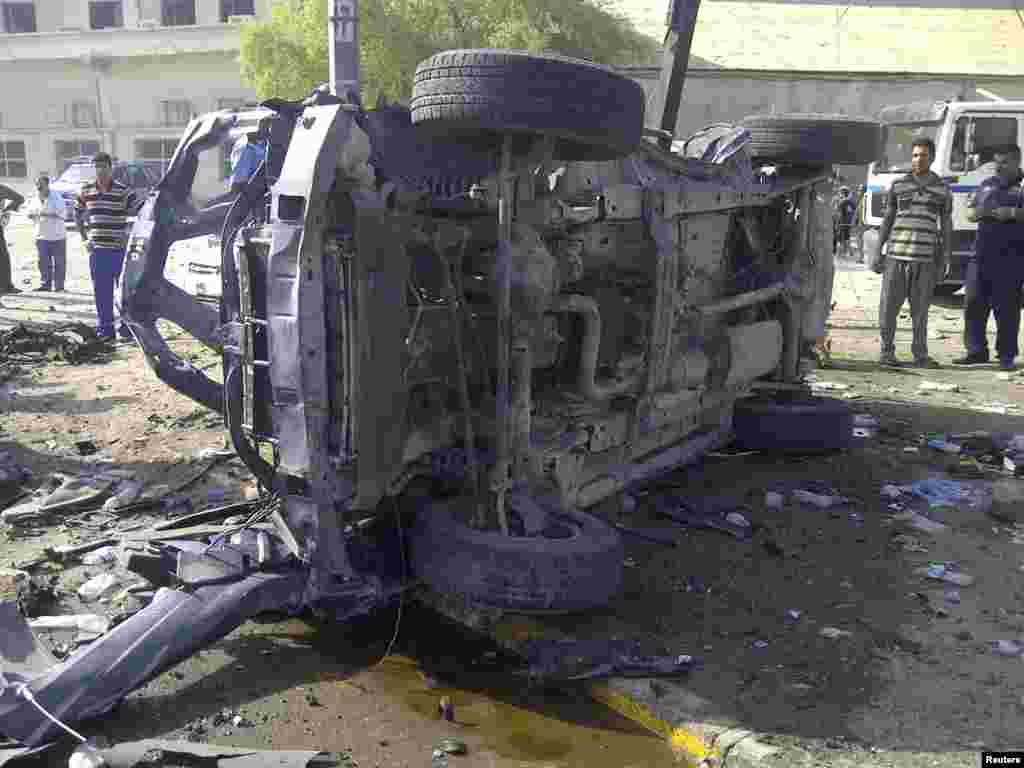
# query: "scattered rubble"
[[33, 343]]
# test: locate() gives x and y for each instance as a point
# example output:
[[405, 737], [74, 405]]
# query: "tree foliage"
[[286, 55]]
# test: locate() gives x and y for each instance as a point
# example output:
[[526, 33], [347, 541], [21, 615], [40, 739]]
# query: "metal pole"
[[676, 59], [500, 478], [343, 48]]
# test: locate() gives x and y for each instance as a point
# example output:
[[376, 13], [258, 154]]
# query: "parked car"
[[194, 266], [135, 174]]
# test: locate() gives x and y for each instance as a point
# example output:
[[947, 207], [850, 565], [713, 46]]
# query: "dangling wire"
[[401, 592], [22, 690]]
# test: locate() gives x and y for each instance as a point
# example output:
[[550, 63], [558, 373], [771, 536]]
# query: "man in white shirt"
[[47, 211]]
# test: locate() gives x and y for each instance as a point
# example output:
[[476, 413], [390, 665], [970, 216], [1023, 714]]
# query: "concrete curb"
[[674, 713]]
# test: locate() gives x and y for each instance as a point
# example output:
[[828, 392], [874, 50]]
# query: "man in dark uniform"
[[843, 215], [996, 268], [10, 201]]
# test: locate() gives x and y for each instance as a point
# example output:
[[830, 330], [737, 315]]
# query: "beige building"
[[124, 76]]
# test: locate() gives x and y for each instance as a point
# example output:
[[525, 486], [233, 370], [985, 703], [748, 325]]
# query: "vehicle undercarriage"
[[448, 338]]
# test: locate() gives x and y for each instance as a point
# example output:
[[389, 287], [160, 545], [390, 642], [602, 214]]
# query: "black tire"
[[814, 140], [802, 424], [597, 114], [519, 574]]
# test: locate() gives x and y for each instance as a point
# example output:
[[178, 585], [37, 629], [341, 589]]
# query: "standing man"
[[101, 213], [246, 155], [47, 211], [842, 221], [918, 229], [995, 271], [10, 201]]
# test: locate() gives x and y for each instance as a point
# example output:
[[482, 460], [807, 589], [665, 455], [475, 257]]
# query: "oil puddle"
[[504, 720]]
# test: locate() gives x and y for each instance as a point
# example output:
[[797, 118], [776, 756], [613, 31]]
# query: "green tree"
[[286, 55]]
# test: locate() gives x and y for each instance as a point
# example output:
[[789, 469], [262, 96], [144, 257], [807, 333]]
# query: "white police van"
[[966, 135]]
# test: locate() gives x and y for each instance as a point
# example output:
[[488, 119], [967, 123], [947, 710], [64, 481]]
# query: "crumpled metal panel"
[[296, 295]]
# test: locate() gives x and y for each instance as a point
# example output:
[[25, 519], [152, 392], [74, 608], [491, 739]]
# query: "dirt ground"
[[914, 682]]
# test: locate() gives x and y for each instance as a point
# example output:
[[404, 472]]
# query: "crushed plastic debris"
[[705, 512], [945, 446], [87, 756], [937, 386], [102, 556], [920, 522], [832, 386], [212, 453], [940, 492], [1007, 648], [865, 420], [737, 519], [89, 626], [947, 573], [952, 596], [760, 644], [773, 500], [127, 492], [819, 500], [451, 746], [1014, 463], [98, 586], [834, 633]]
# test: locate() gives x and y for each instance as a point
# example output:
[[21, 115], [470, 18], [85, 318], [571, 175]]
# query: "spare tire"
[[594, 112], [576, 567], [800, 424], [814, 140]]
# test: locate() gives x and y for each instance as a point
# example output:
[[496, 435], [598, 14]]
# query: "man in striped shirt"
[[918, 229], [101, 212]]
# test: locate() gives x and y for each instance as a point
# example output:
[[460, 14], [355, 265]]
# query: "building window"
[[155, 153], [12, 160], [74, 149], [178, 13], [83, 114], [176, 112], [19, 17], [229, 8], [105, 14]]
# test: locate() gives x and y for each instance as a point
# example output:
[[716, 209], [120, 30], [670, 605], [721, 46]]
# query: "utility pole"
[[682, 19], [343, 47]]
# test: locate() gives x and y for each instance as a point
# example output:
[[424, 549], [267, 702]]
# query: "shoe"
[[44, 288], [889, 361], [973, 358], [926, 362], [1007, 364]]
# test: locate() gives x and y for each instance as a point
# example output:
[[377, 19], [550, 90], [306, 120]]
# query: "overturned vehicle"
[[454, 334]]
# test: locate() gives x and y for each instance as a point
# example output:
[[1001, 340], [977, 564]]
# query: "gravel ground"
[[910, 673]]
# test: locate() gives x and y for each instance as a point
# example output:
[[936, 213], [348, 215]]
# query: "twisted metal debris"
[[32, 343]]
